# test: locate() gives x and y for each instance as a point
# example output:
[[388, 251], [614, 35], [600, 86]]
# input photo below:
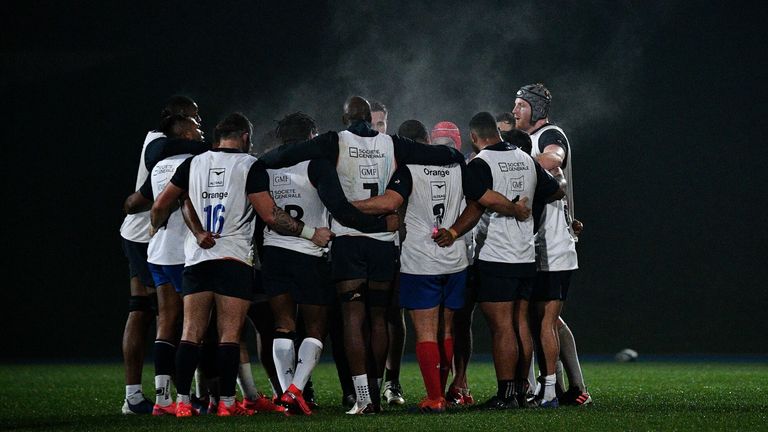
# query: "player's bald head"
[[356, 108], [414, 130]]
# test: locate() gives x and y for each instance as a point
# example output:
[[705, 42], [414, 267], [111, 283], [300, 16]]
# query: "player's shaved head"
[[414, 130], [356, 108], [483, 124]]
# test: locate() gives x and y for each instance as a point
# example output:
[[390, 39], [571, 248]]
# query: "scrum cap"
[[446, 132], [538, 97]]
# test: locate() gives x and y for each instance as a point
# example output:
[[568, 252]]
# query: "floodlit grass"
[[630, 396]]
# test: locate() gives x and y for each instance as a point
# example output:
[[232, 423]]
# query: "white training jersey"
[[436, 200], [365, 166], [167, 245], [555, 243], [217, 181], [509, 240], [293, 192], [135, 226]]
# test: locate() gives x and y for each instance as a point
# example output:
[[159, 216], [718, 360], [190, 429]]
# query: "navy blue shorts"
[[167, 274], [360, 257], [504, 282], [226, 277], [137, 261], [305, 277], [551, 285], [428, 291]]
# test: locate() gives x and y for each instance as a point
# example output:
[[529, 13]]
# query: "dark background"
[[663, 103]]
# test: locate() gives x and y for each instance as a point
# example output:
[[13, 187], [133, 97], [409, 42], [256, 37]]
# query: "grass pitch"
[[629, 396]]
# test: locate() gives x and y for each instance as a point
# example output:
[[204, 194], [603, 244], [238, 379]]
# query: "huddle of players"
[[292, 188]]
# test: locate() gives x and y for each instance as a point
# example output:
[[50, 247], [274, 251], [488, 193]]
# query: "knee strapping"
[[379, 298], [139, 304], [351, 296]]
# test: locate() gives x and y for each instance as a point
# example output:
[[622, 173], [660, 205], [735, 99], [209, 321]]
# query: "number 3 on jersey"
[[214, 219]]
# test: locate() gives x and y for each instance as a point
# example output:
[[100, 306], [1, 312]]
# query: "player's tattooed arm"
[[281, 221]]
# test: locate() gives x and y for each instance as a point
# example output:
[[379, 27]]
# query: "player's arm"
[[398, 190], [465, 222], [205, 239], [408, 151], [552, 148], [141, 200], [325, 146], [477, 182], [163, 147], [548, 188], [323, 176], [257, 188]]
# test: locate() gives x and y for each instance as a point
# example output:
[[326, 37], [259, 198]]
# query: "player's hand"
[[577, 227], [393, 222], [206, 239], [443, 237], [522, 212], [322, 236]]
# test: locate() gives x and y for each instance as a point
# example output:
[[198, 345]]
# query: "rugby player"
[[555, 245], [165, 258], [296, 271], [506, 258], [135, 239], [221, 186]]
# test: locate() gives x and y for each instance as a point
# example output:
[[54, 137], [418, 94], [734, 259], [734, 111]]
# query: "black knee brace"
[[139, 304], [350, 296], [379, 298], [284, 335]]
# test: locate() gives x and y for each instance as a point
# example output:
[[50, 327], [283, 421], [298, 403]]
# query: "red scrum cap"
[[446, 132]]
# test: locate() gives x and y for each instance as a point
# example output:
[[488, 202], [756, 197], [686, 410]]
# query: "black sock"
[[165, 357], [506, 389], [228, 360], [392, 375], [187, 356]]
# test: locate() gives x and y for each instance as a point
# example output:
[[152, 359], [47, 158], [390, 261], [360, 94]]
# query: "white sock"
[[228, 400], [559, 374], [134, 394], [360, 382], [283, 352], [549, 387], [163, 390], [245, 381], [532, 376], [180, 398], [309, 355]]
